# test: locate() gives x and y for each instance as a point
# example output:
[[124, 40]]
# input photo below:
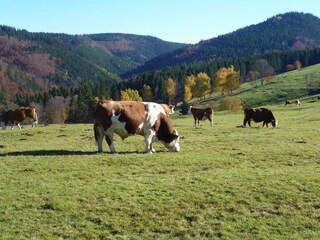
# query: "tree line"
[[173, 84]]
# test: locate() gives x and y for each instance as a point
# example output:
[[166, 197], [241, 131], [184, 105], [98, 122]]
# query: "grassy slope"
[[227, 182], [290, 85]]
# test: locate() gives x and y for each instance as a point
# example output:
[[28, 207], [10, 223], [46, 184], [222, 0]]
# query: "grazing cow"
[[169, 109], [127, 118], [318, 98], [201, 114], [259, 115], [20, 114], [297, 102]]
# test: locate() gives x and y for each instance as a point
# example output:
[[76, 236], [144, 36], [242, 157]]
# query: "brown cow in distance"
[[259, 115], [18, 115], [201, 114], [297, 102], [126, 118]]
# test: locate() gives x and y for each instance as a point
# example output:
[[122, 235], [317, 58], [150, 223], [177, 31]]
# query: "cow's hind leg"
[[98, 134], [245, 121]]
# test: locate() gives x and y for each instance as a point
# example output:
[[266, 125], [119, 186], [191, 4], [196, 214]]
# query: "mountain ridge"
[[288, 31]]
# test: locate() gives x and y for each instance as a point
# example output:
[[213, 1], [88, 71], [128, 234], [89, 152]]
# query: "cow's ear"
[[175, 133]]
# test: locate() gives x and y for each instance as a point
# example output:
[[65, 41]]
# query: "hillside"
[[31, 62], [289, 31], [298, 84], [132, 50]]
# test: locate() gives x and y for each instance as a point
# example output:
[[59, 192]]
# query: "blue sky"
[[187, 21]]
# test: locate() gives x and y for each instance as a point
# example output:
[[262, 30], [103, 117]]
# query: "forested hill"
[[289, 31], [133, 50], [32, 62]]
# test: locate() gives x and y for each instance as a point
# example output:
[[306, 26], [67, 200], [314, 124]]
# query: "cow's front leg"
[[149, 136]]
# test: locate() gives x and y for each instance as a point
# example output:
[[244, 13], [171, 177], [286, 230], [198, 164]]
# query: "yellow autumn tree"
[[190, 81], [130, 94], [171, 89], [146, 93], [205, 85], [124, 96], [233, 81], [220, 80], [227, 80], [187, 93]]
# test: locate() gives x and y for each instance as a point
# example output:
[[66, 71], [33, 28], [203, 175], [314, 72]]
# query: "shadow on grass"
[[47, 153], [63, 153]]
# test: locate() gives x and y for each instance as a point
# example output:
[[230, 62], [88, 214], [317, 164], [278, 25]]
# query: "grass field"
[[226, 183], [295, 84]]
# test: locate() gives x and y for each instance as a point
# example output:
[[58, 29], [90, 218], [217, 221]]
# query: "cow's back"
[[17, 115], [127, 114]]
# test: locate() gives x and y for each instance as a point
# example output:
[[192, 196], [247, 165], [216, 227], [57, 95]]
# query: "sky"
[[184, 21]]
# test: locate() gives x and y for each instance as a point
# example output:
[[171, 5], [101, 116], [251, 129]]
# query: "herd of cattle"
[[151, 120]]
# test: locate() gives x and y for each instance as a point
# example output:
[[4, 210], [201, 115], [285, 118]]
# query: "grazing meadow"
[[227, 182]]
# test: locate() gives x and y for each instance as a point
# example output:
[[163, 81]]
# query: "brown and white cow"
[[18, 115], [127, 118], [201, 114], [297, 102], [259, 115], [169, 109]]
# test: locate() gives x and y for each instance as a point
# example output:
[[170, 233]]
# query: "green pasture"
[[227, 182], [297, 84]]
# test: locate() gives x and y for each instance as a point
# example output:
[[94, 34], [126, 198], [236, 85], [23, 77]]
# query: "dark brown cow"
[[127, 118], [201, 114], [19, 115], [297, 102], [259, 115]]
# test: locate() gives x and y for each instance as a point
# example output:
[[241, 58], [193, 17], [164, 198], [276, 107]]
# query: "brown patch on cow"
[[162, 127]]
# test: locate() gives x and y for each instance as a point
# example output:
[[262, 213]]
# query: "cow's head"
[[274, 123], [173, 145]]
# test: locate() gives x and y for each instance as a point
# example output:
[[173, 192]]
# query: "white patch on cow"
[[140, 128], [118, 127], [298, 103], [152, 111], [149, 139], [276, 124], [204, 118]]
